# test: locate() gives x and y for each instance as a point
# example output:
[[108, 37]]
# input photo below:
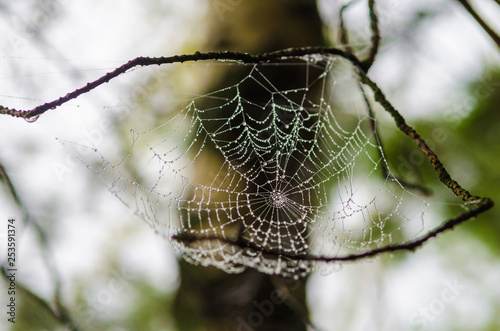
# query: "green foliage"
[[476, 144], [466, 140]]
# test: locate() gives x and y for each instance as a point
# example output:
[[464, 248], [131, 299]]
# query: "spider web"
[[279, 167]]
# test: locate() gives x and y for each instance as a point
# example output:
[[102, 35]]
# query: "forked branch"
[[478, 204], [374, 28]]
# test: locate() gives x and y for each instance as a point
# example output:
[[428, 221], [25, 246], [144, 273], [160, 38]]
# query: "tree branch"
[[386, 173], [375, 37], [481, 22], [148, 61], [344, 36], [481, 206], [375, 41], [444, 176]]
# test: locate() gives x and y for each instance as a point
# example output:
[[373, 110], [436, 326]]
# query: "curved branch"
[[344, 36], [375, 37], [481, 206], [197, 56]]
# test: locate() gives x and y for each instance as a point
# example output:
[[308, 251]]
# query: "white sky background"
[[81, 40], [87, 38]]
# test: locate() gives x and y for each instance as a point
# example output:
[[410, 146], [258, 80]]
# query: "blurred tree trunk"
[[210, 299]]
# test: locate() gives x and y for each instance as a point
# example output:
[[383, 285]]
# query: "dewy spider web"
[[271, 172], [280, 158], [281, 169]]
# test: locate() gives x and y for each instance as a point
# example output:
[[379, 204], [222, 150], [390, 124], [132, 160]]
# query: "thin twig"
[[481, 22], [386, 173], [375, 35], [61, 311], [344, 36], [444, 176], [375, 40]]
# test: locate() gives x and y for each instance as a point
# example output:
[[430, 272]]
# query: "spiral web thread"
[[269, 183]]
